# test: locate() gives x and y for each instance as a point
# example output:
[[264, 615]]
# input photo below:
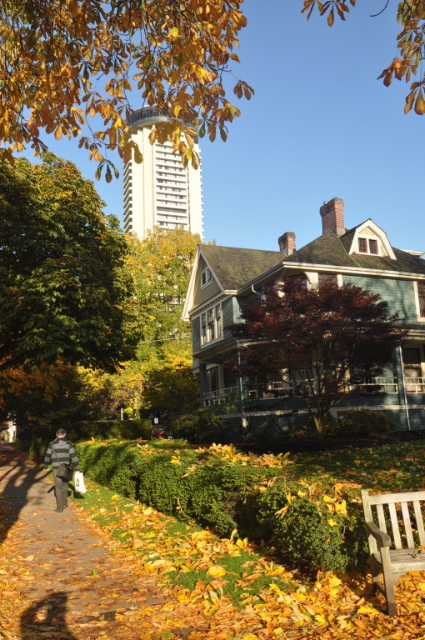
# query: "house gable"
[[229, 268], [369, 239]]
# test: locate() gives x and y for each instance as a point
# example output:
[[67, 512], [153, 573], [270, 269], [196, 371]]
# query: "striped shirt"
[[61, 451]]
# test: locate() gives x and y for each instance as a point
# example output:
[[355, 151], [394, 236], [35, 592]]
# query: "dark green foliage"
[[122, 429], [61, 270], [364, 423], [202, 426], [116, 466], [306, 533], [206, 492], [80, 431]]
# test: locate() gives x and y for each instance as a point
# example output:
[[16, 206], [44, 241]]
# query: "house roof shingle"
[[234, 267], [330, 249]]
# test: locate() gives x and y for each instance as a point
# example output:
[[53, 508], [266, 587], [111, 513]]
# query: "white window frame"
[[367, 240], [421, 318], [206, 277], [211, 324]]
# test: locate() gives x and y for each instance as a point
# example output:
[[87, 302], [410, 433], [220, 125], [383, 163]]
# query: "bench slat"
[[405, 496], [419, 522], [381, 518], [394, 523], [407, 524]]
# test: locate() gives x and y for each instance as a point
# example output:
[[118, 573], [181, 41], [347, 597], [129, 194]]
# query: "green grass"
[[385, 468]]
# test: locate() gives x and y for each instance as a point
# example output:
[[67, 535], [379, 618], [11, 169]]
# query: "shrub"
[[364, 423], [176, 484], [202, 426], [315, 533]]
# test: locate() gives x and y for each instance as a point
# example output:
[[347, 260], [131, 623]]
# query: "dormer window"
[[206, 277], [368, 245], [368, 239]]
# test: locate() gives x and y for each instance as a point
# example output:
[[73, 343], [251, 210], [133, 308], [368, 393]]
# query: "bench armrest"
[[382, 538]]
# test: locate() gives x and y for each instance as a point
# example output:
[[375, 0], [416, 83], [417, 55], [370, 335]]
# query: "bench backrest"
[[402, 513]]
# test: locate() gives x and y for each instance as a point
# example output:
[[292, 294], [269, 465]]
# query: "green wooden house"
[[223, 278]]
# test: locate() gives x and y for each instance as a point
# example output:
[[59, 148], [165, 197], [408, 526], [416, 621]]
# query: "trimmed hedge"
[[226, 490]]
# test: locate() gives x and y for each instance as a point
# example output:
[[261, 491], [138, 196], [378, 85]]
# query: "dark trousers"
[[61, 492]]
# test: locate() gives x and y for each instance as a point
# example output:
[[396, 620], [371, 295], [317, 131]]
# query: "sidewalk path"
[[75, 589]]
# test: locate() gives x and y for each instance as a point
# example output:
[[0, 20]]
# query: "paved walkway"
[[76, 587]]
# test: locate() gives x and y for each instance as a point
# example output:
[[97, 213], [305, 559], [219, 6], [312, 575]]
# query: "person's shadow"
[[47, 616]]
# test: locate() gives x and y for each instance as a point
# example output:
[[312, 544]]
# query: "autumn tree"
[[63, 287], [410, 42], [51, 395], [69, 67], [160, 267], [324, 342], [160, 372], [171, 388]]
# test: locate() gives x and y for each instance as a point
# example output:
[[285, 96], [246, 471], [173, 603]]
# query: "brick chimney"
[[332, 213], [287, 243]]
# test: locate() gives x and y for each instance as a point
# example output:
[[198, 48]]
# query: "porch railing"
[[283, 389], [220, 396], [381, 384], [415, 385]]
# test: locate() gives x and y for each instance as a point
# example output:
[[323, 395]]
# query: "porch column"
[[203, 381], [402, 391]]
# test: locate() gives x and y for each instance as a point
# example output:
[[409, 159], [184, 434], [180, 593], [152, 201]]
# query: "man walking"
[[61, 451]]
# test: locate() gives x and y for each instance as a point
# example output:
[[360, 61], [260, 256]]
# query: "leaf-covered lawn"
[[229, 589]]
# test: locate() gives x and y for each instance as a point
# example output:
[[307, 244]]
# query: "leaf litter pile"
[[222, 589]]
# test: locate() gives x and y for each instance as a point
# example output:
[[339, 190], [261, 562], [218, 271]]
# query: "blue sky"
[[320, 125]]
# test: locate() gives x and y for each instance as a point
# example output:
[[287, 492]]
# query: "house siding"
[[202, 295], [399, 294], [229, 315]]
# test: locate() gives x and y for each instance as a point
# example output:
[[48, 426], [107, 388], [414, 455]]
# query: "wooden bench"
[[400, 551]]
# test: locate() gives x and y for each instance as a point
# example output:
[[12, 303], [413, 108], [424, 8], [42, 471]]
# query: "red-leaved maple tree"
[[324, 342]]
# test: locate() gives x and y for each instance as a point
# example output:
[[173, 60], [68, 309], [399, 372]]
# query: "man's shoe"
[[58, 510]]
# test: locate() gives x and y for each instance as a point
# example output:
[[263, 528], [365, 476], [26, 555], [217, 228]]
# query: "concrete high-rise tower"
[[159, 192]]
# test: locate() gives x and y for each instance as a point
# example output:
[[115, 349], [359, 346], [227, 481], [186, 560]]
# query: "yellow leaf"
[[116, 497], [341, 508], [242, 543], [332, 523], [420, 104], [327, 498], [367, 609], [216, 571], [29, 558], [334, 582]]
